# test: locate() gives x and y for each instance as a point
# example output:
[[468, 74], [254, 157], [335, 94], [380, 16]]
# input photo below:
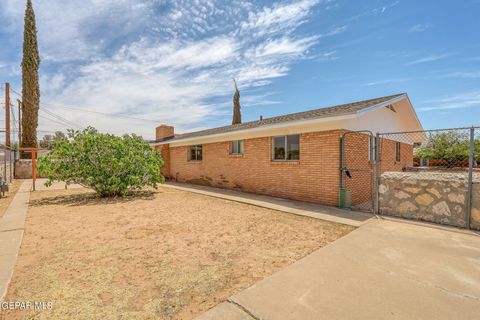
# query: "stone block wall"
[[437, 197], [23, 169]]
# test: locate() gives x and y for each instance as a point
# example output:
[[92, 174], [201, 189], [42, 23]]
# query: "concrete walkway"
[[11, 233], [348, 217], [382, 270]]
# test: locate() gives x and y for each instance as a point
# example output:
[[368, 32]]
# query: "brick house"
[[295, 156]]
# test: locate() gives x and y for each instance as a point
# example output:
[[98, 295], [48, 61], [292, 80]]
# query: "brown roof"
[[338, 110]]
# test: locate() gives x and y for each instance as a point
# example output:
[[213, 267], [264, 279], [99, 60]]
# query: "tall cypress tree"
[[30, 85], [237, 116]]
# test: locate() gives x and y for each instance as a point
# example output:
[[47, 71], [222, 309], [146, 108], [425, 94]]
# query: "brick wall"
[[388, 161], [164, 150], [163, 131], [315, 178]]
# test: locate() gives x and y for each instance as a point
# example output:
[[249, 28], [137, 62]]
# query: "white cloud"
[[387, 81], [285, 46], [461, 74], [460, 101], [170, 61], [420, 27], [279, 17], [336, 31], [431, 58]]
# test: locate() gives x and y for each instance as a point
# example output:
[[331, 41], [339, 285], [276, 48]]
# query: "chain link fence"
[[430, 175], [7, 165]]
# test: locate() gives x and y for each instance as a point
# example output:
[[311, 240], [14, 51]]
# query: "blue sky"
[[173, 61]]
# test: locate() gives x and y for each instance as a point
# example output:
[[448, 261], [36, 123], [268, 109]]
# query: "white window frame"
[[285, 146], [195, 146], [240, 147]]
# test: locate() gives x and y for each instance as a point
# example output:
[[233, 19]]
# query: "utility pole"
[[7, 114]]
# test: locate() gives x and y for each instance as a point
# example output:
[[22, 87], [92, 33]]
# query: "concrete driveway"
[[383, 270]]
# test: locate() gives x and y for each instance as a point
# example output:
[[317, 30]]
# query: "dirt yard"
[[167, 254], [5, 201]]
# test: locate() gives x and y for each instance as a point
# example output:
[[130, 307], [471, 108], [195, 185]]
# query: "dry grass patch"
[[166, 254]]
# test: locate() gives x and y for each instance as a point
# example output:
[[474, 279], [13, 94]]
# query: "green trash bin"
[[345, 198]]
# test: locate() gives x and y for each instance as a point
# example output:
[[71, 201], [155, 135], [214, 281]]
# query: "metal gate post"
[[470, 176], [342, 159], [377, 173], [342, 163]]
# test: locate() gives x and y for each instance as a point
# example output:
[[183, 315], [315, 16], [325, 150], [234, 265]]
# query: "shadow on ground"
[[91, 198]]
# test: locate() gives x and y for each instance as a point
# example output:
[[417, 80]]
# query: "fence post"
[[377, 172], [470, 176], [5, 164], [342, 161]]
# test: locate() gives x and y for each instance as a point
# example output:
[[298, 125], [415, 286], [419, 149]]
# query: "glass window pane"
[[199, 153], [240, 146], [192, 153], [293, 147], [279, 148], [234, 147]]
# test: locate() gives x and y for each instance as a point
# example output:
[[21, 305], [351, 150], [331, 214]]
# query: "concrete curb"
[[11, 234]]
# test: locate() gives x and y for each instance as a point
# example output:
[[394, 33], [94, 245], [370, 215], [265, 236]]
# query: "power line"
[[60, 118], [109, 114], [45, 109], [52, 120], [100, 113]]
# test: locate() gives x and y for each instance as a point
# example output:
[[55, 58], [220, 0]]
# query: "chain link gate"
[[357, 171]]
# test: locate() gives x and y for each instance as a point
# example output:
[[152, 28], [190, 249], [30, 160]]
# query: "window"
[[236, 147], [286, 148], [397, 151], [195, 153]]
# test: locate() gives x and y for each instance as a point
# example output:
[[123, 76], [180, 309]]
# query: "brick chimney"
[[164, 132]]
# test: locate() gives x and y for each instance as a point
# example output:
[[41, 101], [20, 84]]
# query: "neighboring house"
[[295, 156]]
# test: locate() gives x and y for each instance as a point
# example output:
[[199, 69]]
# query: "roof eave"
[[294, 122], [261, 128]]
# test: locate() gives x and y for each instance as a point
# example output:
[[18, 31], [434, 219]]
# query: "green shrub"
[[110, 165]]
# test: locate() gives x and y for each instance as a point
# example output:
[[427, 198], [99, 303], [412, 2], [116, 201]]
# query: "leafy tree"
[[449, 147], [30, 86], [110, 165], [237, 116], [48, 140]]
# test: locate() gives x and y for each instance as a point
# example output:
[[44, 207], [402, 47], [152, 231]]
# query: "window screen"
[[236, 147], [196, 153], [286, 147]]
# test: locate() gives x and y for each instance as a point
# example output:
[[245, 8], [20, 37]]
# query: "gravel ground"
[[164, 254]]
